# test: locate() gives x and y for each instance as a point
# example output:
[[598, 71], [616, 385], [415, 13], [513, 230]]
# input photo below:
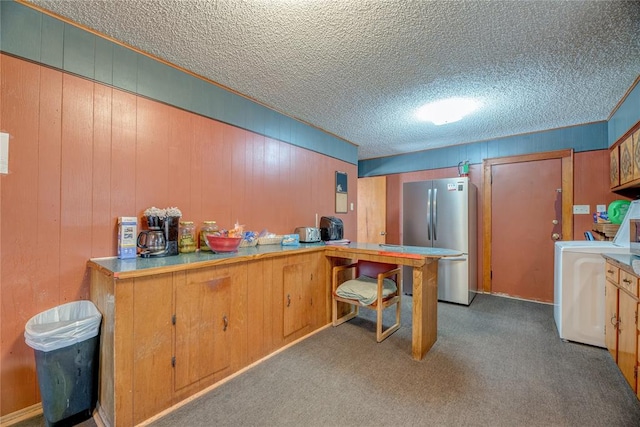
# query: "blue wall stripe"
[[587, 137], [625, 117], [104, 61], [79, 52], [52, 42], [35, 36]]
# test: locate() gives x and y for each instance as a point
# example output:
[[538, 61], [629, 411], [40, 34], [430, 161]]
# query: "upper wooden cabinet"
[[624, 161], [614, 166]]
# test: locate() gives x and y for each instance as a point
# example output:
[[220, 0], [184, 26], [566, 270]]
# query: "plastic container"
[[617, 210], [65, 341]]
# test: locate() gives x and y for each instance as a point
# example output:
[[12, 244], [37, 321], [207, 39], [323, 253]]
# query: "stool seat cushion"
[[364, 289]]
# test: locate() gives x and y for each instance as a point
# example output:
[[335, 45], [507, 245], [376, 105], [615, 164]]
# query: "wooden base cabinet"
[[136, 348], [621, 321], [169, 334], [208, 313], [300, 294]]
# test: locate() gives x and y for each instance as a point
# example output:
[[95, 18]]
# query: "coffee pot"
[[152, 243]]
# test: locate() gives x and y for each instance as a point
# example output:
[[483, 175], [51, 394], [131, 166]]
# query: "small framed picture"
[[341, 192]]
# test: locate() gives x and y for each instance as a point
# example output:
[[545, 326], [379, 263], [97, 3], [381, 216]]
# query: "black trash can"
[[65, 341]]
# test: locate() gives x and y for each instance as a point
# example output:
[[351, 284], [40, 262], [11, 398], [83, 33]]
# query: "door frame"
[[566, 157]]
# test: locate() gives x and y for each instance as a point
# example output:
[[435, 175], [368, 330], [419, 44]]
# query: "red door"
[[526, 221]]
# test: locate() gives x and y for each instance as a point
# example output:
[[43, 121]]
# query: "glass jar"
[[186, 237], [207, 227]]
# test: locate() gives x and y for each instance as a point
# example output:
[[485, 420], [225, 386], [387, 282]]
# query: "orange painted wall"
[[83, 154]]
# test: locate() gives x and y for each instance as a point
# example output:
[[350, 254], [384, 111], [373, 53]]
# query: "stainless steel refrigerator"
[[442, 213]]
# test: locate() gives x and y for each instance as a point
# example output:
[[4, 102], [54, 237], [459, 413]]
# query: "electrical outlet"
[[580, 209], [601, 208]]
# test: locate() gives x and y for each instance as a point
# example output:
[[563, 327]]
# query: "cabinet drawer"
[[629, 283], [613, 273]]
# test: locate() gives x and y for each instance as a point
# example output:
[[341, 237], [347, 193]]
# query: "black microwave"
[[634, 236]]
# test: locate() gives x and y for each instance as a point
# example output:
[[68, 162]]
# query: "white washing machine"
[[579, 278], [578, 283]]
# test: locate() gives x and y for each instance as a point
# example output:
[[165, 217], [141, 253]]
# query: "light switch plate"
[[580, 209], [4, 153]]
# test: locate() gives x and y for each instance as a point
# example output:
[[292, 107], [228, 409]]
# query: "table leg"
[[425, 308]]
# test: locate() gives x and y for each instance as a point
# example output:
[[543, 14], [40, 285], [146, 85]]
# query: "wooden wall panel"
[[256, 195], [49, 172], [270, 180], [123, 156], [19, 222], [152, 156], [83, 154], [180, 142], [217, 180], [76, 186], [198, 134], [103, 226], [236, 195]]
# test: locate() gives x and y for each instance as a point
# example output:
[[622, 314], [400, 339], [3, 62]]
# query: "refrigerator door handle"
[[462, 258], [429, 214], [435, 213]]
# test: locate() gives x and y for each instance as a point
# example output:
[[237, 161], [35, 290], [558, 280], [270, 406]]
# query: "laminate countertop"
[[123, 268], [627, 261]]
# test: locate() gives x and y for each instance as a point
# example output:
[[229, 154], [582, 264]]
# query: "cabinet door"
[[636, 154], [260, 310], [291, 297], [320, 291], [638, 354], [627, 337], [202, 322], [296, 279], [614, 167], [626, 161], [611, 319], [151, 341]]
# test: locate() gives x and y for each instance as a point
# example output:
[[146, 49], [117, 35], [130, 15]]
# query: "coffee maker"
[[161, 239]]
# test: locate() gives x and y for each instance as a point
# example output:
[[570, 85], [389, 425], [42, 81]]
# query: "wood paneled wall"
[[83, 154]]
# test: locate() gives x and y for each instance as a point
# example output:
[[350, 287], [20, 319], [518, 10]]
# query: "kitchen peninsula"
[[174, 326]]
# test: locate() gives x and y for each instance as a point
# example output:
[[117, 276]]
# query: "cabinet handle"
[[615, 324], [625, 280], [610, 271], [225, 320], [288, 300]]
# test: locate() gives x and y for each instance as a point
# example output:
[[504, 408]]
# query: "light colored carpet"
[[498, 362]]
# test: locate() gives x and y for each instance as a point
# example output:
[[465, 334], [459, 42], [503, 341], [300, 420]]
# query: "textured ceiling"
[[360, 68]]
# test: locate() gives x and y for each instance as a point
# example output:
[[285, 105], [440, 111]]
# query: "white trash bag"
[[62, 326]]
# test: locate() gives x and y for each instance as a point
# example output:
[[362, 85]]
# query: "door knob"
[[555, 236]]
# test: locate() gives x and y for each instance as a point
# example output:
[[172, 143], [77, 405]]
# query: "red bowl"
[[223, 244]]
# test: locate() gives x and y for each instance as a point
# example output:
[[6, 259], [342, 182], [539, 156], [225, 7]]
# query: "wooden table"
[[424, 329]]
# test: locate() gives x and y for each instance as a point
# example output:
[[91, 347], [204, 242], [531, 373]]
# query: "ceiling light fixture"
[[447, 110]]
